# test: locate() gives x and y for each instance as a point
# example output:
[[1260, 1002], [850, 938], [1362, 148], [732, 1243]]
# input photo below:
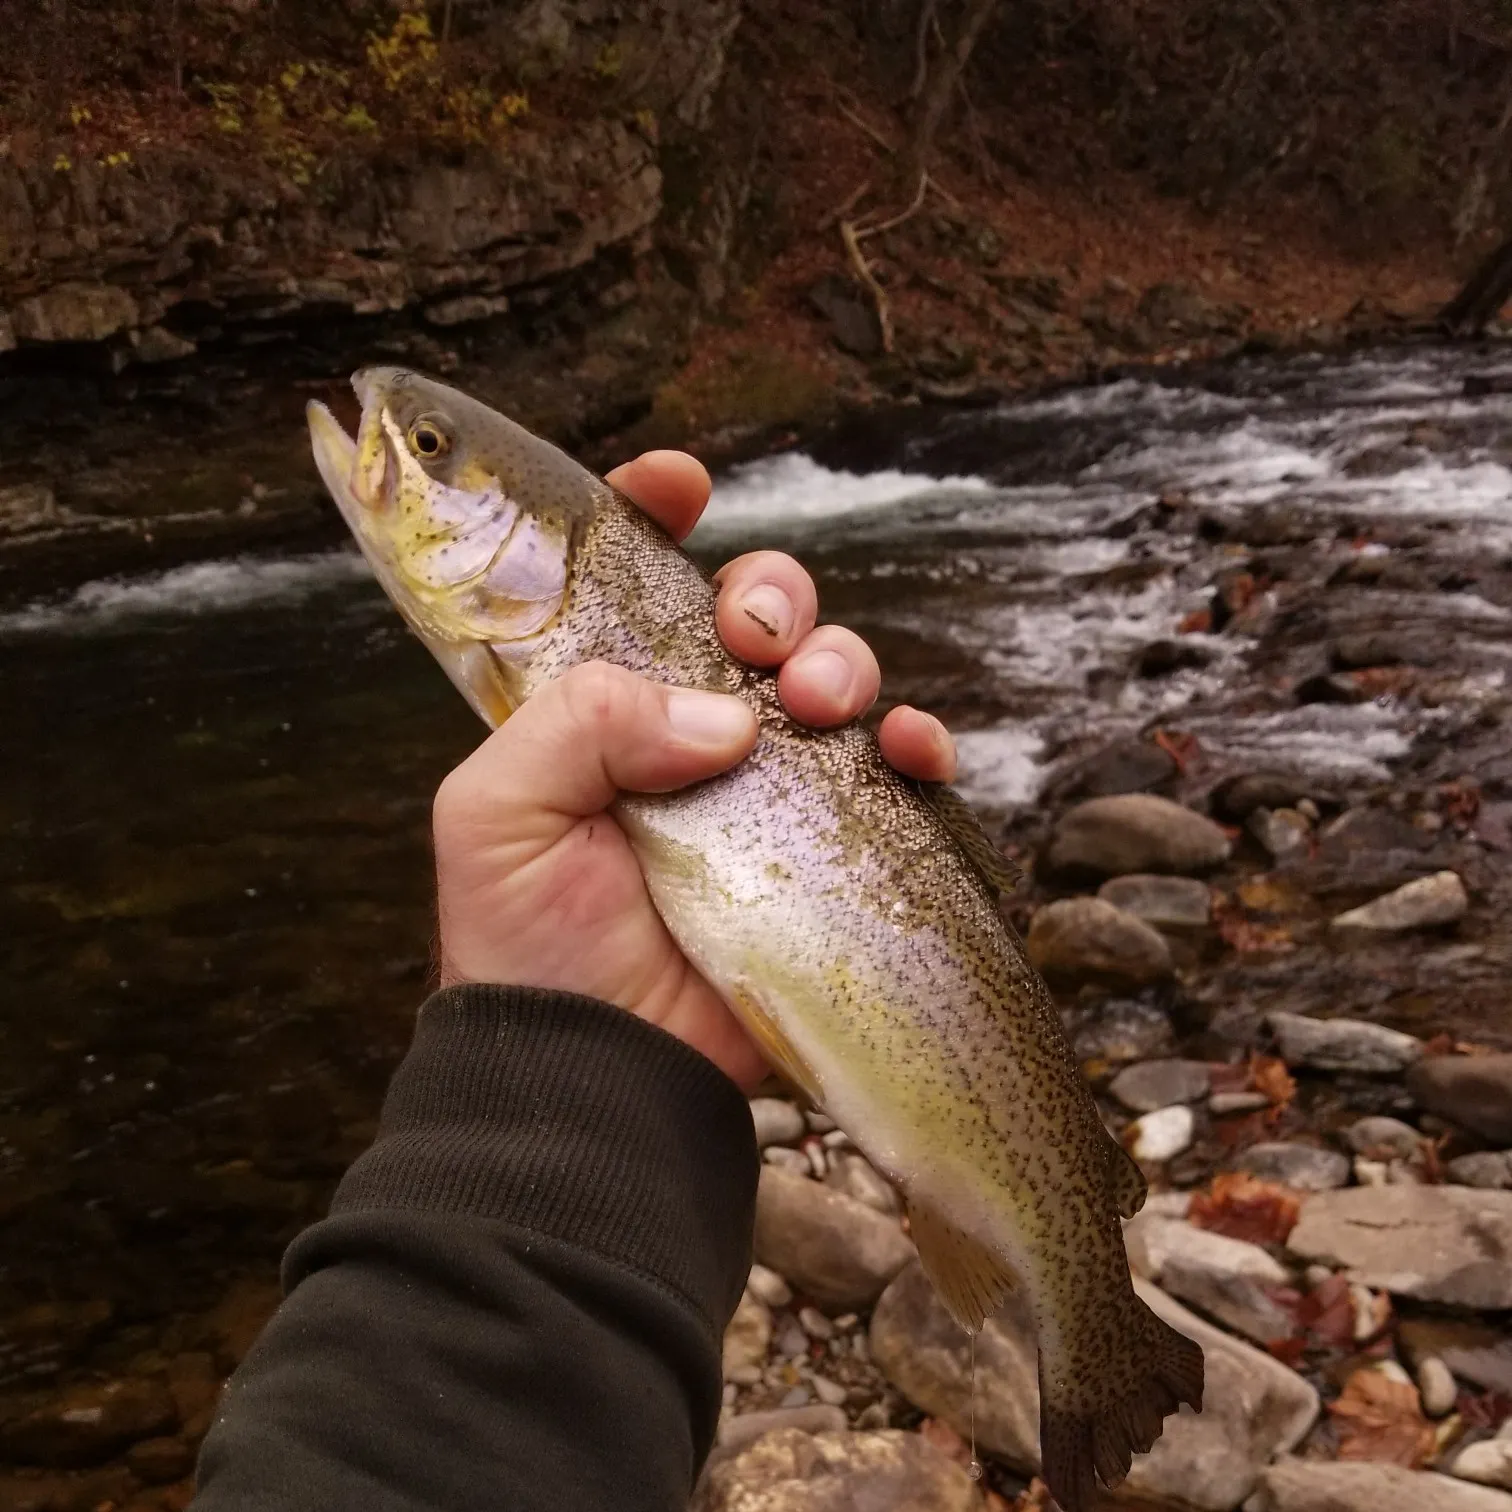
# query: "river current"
[[214, 904]]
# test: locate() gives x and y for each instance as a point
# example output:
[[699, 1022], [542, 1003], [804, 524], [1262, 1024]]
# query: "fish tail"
[[1085, 1431]]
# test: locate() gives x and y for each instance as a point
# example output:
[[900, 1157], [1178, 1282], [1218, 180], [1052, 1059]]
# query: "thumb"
[[596, 731]]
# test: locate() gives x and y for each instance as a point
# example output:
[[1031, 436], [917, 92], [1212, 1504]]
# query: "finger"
[[830, 679], [917, 744], [595, 731], [672, 487], [767, 604]]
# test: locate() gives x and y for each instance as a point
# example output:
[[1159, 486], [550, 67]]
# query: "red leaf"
[[1198, 622], [1381, 1419], [1244, 1207]]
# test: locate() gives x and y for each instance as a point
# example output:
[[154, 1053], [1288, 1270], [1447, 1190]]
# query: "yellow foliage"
[[609, 61], [62, 163], [408, 55]]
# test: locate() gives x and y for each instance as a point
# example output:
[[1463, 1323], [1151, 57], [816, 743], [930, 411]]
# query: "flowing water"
[[214, 904]]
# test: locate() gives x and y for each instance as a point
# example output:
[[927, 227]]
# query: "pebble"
[[796, 1396], [1156, 1084], [838, 1251], [777, 1122], [1281, 832], [1489, 1462], [791, 1341], [815, 1324], [835, 1471], [1437, 1387], [854, 1175], [1296, 1485], [1161, 1135], [1427, 903], [1163, 901], [1473, 1091], [1491, 1169], [1381, 1137], [1342, 1044], [1305, 1168], [831, 1393], [1135, 832], [1371, 1173], [160, 1460], [1432, 1243], [875, 1416], [747, 1337], [768, 1286], [1223, 1104], [1474, 1349], [1077, 940], [748, 1426]]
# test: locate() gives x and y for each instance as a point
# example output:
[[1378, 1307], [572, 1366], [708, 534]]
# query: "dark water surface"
[[214, 873]]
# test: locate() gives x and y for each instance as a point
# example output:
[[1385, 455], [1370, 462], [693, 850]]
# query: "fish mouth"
[[358, 471]]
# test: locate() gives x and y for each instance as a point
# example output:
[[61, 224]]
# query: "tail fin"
[[1098, 1426]]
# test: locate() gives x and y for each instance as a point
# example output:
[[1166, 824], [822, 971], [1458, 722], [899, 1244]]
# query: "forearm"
[[519, 1295]]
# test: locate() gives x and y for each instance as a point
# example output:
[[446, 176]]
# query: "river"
[[214, 905]]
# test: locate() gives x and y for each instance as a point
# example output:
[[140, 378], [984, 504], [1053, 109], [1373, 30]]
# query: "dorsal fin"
[[971, 1281], [989, 863], [1126, 1182]]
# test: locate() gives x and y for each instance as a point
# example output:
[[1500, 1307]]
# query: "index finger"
[[672, 487]]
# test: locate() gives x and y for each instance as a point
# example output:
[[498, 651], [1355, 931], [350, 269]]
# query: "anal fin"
[[1126, 1182], [972, 1282]]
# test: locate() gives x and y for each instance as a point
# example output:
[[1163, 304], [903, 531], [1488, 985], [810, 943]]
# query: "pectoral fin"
[[1126, 1182], [773, 1043], [476, 674], [972, 1282]]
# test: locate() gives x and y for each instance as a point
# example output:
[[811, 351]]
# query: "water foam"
[[199, 589]]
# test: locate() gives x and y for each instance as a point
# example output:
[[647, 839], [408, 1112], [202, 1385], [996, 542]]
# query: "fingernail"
[[826, 672], [771, 608], [709, 719]]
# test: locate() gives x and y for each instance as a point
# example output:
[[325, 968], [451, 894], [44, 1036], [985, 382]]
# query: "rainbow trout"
[[848, 916]]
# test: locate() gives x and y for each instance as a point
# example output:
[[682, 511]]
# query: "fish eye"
[[427, 439]]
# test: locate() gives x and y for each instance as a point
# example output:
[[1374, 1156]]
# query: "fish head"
[[469, 521]]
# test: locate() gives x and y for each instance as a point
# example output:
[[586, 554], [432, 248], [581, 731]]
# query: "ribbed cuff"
[[563, 1115]]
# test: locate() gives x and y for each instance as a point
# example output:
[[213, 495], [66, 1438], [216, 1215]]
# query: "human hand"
[[536, 884]]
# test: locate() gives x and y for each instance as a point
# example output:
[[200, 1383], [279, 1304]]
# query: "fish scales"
[[826, 899]]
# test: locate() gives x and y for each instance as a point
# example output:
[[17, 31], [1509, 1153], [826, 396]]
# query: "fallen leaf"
[[1198, 622], [1381, 1419], [1376, 681], [1327, 1314], [1181, 748], [1268, 1074], [1244, 1207], [950, 1443], [1484, 1409], [1247, 936], [1462, 800]]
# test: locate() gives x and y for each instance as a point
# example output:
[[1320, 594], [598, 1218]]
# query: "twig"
[[867, 127], [851, 238], [844, 208], [921, 48], [897, 220]]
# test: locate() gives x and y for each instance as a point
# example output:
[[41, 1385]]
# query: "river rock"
[[74, 312], [1427, 903], [855, 1176], [884, 1471], [1433, 1243], [777, 1122], [767, 1286], [1226, 1278], [1488, 1462], [1122, 1030], [1156, 1084], [1342, 1044], [1236, 798], [88, 1424], [1161, 1135], [160, 1460], [837, 1250], [1474, 1091], [1381, 1137], [1293, 1485], [1086, 940], [1130, 766], [1437, 1389], [746, 1427], [1304, 1168], [747, 1337], [923, 1351], [1164, 901], [1491, 1169], [1135, 832], [1474, 1349]]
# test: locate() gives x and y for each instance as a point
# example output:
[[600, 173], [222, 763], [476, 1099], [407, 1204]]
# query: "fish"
[[850, 917]]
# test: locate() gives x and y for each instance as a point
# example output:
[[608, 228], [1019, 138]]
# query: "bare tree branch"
[[944, 74]]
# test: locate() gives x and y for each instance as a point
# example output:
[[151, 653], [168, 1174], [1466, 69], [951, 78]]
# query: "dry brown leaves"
[[1182, 748], [1240, 932], [1268, 1074], [1381, 1419], [1375, 682], [1244, 1207], [1198, 622]]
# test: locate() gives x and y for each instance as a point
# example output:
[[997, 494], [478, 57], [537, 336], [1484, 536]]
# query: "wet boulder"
[[1079, 940], [1303, 1167], [1342, 1044], [1446, 1244], [1491, 1169], [1149, 1085], [1236, 798], [1128, 766], [1134, 832], [791, 1471], [1474, 1091], [834, 1249], [1165, 901]]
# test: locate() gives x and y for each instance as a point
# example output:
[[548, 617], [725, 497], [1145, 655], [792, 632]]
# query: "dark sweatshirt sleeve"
[[518, 1298]]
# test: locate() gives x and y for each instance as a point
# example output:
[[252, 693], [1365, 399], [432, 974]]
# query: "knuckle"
[[596, 695]]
